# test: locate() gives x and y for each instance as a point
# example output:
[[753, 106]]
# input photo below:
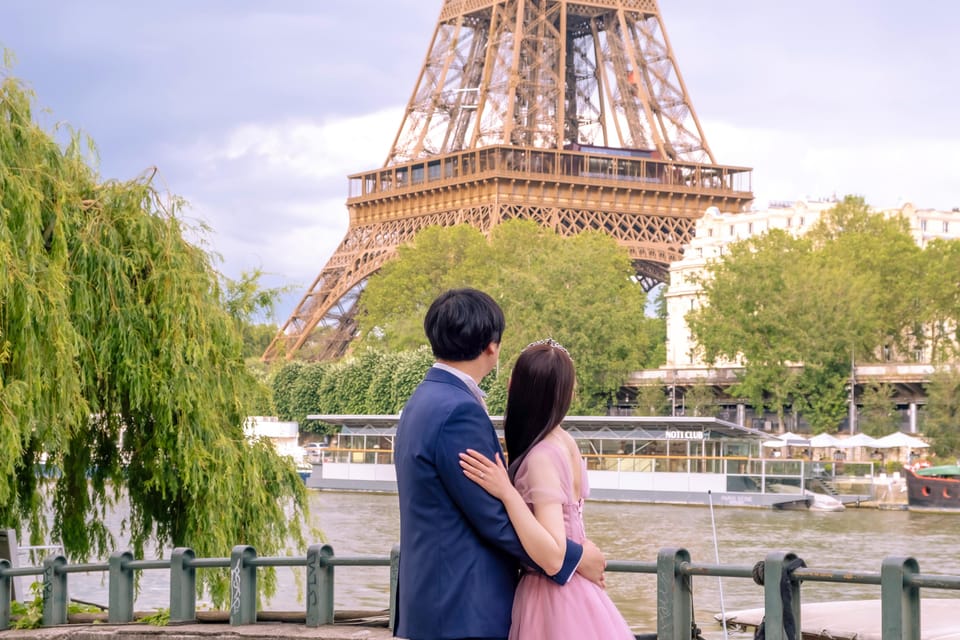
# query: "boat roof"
[[942, 470], [582, 427]]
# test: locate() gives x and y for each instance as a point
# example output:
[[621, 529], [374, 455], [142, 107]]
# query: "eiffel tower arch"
[[572, 113]]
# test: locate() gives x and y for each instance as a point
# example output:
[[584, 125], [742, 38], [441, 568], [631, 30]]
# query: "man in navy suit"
[[459, 554]]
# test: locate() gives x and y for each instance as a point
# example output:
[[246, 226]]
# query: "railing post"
[[900, 601], [6, 594], [394, 582], [243, 585], [319, 585], [774, 568], [54, 591], [120, 588], [183, 585], [10, 551], [674, 600]]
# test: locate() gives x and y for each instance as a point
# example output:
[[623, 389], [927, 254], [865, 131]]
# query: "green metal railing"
[[899, 579]]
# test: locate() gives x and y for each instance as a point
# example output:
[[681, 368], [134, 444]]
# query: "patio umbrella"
[[859, 440], [899, 439], [794, 439], [824, 440]]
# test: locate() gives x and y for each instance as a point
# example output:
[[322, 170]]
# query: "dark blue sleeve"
[[469, 427]]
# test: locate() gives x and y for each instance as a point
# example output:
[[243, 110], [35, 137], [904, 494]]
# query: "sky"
[[255, 112]]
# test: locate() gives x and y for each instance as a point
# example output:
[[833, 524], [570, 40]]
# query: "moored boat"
[[933, 488], [667, 460]]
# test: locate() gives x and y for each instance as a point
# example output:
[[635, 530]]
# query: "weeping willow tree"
[[122, 383]]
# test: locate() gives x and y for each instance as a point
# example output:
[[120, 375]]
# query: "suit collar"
[[437, 374]]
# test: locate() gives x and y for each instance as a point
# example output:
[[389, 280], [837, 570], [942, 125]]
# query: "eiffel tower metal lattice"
[[571, 113]]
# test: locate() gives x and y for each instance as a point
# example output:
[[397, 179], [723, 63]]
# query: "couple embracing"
[[489, 551]]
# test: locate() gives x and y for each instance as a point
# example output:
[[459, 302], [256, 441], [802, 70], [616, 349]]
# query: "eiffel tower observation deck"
[[571, 113]]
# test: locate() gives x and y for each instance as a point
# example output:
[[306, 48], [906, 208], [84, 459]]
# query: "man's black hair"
[[460, 324]]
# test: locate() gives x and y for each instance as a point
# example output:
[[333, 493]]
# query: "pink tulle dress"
[[542, 609]]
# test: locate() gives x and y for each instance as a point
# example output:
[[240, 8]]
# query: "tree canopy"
[[853, 289], [121, 371], [579, 290], [942, 423], [370, 382]]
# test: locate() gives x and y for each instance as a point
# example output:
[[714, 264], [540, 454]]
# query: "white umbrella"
[[794, 439], [775, 444], [824, 440], [859, 440], [900, 439]]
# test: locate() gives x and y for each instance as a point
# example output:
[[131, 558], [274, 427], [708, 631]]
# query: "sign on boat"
[[672, 460]]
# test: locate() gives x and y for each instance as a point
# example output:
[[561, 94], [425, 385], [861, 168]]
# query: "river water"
[[855, 539]]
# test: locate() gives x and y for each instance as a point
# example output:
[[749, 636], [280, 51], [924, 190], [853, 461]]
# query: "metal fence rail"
[[899, 579]]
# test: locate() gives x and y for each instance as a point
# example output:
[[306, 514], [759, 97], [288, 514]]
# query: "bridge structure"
[[570, 113], [907, 382]]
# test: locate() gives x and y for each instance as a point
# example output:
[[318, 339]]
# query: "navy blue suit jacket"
[[459, 554]]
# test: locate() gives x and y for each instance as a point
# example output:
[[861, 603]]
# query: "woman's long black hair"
[[538, 398]]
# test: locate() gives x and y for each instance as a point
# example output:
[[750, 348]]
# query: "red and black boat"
[[933, 488]]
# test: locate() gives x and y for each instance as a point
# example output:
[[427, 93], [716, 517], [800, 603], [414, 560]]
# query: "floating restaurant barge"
[[673, 460]]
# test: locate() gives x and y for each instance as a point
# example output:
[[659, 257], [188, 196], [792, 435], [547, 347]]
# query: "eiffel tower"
[[571, 113]]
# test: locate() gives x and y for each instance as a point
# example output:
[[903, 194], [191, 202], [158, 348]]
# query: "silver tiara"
[[549, 342]]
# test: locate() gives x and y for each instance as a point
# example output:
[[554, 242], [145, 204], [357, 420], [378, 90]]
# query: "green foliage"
[[394, 379], [371, 382], [261, 402], [396, 300], [307, 389], [937, 298], [329, 400], [256, 338], [411, 368], [283, 385], [29, 613], [851, 289], [699, 400], [160, 618], [878, 416], [652, 401], [942, 418], [380, 394], [121, 367], [247, 302], [355, 380], [821, 396], [297, 388], [578, 290]]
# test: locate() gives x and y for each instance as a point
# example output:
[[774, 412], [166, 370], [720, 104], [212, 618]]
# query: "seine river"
[[856, 539]]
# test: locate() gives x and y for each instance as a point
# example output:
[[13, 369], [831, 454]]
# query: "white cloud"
[[886, 171], [275, 194], [310, 149]]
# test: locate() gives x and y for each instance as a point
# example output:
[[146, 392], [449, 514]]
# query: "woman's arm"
[[541, 531]]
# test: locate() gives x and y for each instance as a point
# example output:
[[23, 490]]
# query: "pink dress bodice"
[[545, 476], [542, 609]]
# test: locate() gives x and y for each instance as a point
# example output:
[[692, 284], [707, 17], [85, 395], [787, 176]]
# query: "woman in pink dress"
[[543, 491]]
